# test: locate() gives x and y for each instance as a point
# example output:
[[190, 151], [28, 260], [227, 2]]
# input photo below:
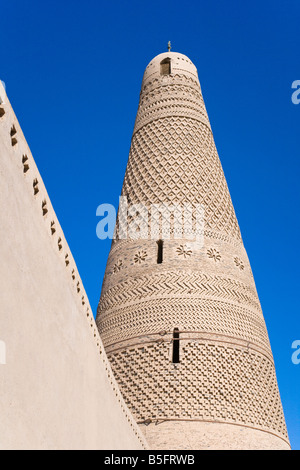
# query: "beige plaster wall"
[[56, 386]]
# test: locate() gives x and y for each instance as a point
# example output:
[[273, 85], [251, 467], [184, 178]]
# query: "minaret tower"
[[180, 319]]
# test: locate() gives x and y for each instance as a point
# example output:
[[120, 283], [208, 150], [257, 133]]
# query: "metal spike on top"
[[169, 46]]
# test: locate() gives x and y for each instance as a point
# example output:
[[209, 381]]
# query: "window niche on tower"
[[176, 344], [159, 251], [165, 67]]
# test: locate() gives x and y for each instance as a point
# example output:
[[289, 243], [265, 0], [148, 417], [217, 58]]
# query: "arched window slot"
[[160, 251], [176, 344], [165, 66], [2, 112]]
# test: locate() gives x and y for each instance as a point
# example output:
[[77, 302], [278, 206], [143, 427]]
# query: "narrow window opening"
[[2, 112], [165, 67], [176, 340], [160, 251]]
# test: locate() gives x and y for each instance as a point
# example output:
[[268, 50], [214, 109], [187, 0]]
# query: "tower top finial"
[[169, 46]]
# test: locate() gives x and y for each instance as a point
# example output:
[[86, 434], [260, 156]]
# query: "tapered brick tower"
[[181, 321]]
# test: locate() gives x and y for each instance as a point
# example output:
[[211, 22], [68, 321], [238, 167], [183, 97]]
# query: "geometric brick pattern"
[[180, 96], [179, 284], [213, 382], [185, 167], [160, 315], [226, 371]]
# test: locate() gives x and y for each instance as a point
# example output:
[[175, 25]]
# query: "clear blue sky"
[[73, 72]]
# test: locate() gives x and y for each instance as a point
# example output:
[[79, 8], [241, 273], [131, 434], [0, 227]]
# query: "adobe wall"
[[56, 386]]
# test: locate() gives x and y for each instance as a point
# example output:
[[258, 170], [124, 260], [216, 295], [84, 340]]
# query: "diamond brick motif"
[[225, 372]]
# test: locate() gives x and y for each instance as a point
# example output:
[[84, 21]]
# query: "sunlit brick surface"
[[225, 375]]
